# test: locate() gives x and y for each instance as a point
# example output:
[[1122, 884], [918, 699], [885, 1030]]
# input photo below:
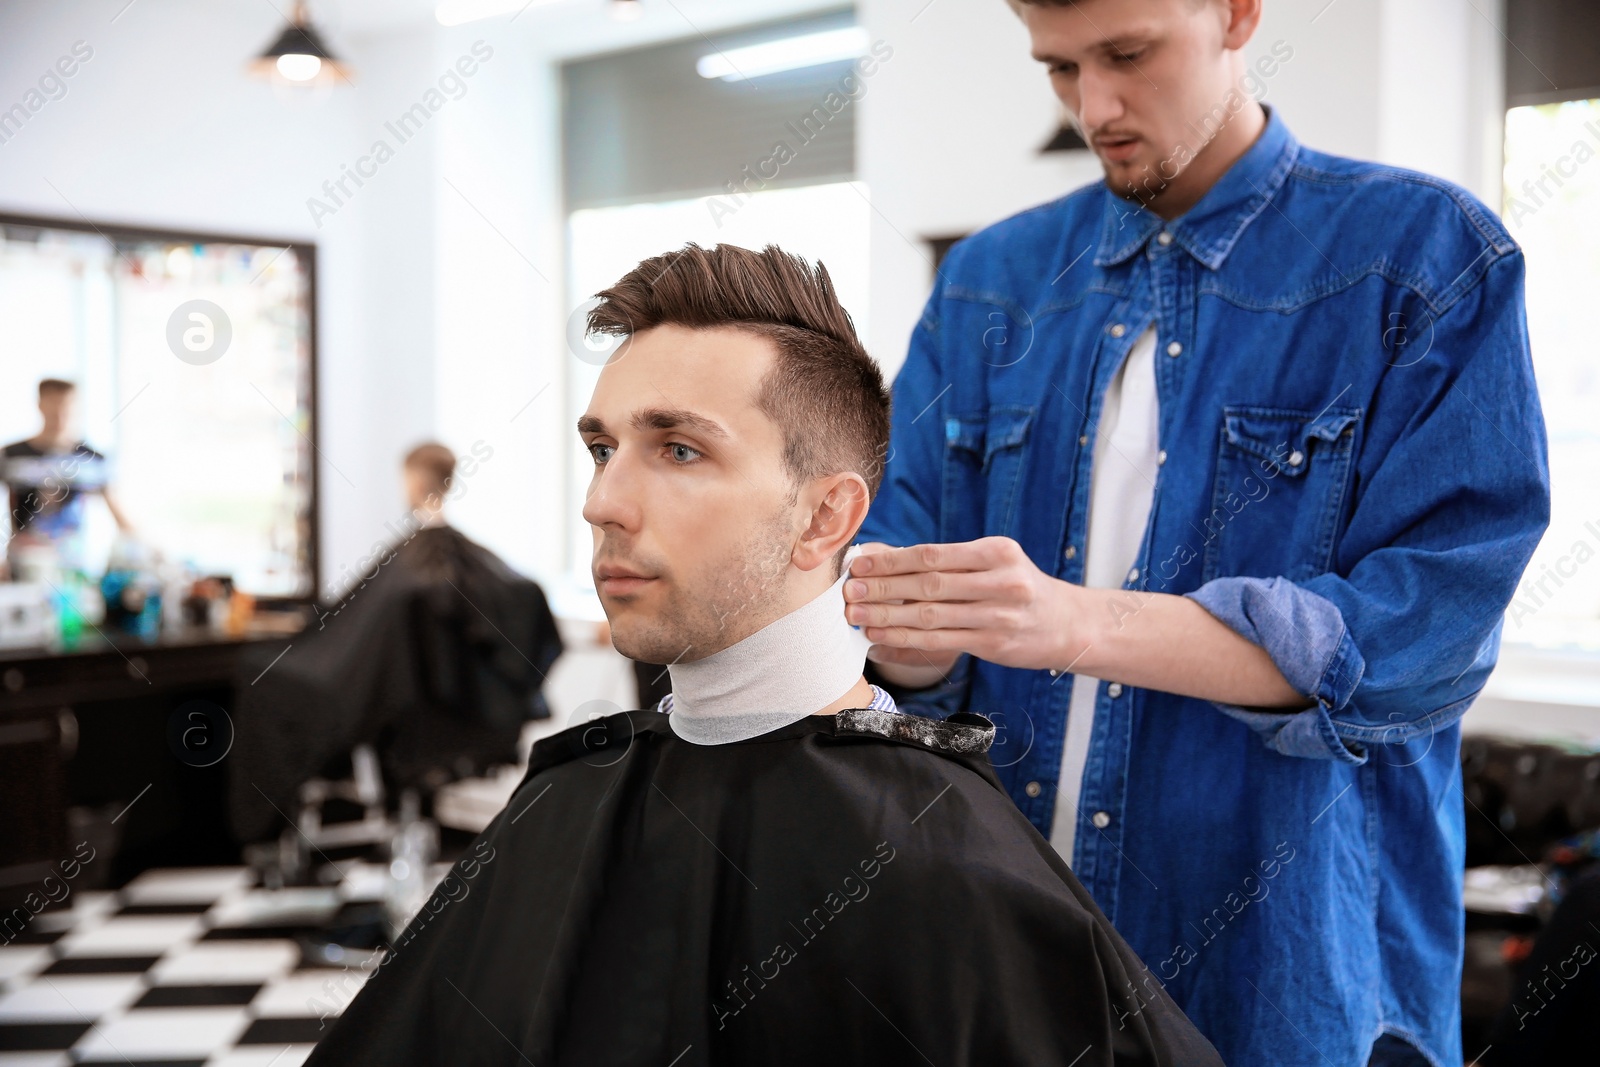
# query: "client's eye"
[[683, 453], [595, 450]]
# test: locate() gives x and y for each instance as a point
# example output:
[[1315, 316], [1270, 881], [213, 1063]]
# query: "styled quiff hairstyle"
[[823, 391]]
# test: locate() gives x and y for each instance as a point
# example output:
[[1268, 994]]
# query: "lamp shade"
[[299, 55]]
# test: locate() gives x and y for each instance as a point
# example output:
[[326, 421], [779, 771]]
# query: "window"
[[1552, 207]]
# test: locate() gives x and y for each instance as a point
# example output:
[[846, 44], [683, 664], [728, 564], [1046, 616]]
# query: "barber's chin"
[[1123, 177]]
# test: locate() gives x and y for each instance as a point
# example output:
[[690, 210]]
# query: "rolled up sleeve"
[[1308, 641]]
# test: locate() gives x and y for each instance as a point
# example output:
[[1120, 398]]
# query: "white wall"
[[499, 377], [389, 224]]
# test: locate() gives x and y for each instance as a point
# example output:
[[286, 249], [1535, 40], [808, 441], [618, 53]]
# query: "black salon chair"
[[424, 673]]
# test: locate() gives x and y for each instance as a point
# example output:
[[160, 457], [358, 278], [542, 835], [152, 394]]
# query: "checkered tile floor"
[[179, 967]]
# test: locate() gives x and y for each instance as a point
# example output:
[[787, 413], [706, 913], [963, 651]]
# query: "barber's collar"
[[1209, 230]]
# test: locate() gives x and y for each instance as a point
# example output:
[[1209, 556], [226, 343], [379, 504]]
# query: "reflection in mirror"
[[156, 399]]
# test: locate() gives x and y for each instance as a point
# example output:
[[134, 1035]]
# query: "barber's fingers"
[[985, 553], [991, 585]]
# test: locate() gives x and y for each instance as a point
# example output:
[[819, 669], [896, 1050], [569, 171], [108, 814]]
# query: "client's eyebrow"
[[661, 419]]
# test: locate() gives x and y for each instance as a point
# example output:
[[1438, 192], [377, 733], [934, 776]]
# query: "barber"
[[48, 477], [1211, 483]]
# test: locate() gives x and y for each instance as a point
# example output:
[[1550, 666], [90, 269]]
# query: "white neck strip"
[[789, 669]]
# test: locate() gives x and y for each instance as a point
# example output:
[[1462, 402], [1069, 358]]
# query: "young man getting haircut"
[[773, 866]]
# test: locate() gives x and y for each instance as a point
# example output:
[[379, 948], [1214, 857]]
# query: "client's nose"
[[615, 494]]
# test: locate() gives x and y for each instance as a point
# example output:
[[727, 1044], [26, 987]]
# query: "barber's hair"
[[49, 386], [436, 461], [823, 391]]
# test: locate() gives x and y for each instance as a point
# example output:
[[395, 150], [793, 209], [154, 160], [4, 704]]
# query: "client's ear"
[[838, 506]]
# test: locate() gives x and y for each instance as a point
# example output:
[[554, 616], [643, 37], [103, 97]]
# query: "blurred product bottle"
[[177, 578], [412, 850], [67, 601], [132, 590]]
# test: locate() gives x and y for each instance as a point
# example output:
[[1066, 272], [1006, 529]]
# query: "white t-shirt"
[[1121, 487]]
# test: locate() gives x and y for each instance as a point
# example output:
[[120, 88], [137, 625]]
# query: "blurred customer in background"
[[428, 473], [435, 656]]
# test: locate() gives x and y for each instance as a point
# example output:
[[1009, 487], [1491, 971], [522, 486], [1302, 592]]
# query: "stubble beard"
[[724, 607]]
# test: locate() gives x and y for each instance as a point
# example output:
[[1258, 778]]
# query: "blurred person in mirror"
[[774, 865], [50, 475]]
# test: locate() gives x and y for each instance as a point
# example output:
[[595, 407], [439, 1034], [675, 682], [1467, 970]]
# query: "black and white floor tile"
[[179, 968]]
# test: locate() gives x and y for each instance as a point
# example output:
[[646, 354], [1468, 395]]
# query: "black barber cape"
[[435, 660], [849, 889]]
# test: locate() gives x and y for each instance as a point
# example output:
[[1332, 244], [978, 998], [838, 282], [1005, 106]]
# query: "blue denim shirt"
[[1354, 478]]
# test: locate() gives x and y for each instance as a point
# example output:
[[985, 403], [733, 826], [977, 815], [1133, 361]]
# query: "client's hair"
[[48, 386], [824, 392], [436, 461]]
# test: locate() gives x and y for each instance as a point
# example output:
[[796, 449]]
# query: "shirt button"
[[1161, 457], [1133, 575], [1071, 552], [1117, 329], [1083, 439], [1033, 789], [1164, 237], [1101, 820], [1114, 690], [1296, 458], [1174, 349]]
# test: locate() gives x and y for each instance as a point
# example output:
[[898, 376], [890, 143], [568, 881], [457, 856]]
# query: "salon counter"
[[102, 666], [86, 752]]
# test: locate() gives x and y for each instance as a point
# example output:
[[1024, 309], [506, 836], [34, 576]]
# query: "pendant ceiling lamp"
[[299, 55]]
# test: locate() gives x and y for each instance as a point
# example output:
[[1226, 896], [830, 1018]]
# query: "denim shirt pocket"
[[1280, 485], [982, 468]]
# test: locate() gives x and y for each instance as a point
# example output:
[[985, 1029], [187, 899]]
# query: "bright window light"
[[789, 53], [1552, 208]]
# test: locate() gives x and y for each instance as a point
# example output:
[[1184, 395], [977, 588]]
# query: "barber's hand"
[[927, 604]]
